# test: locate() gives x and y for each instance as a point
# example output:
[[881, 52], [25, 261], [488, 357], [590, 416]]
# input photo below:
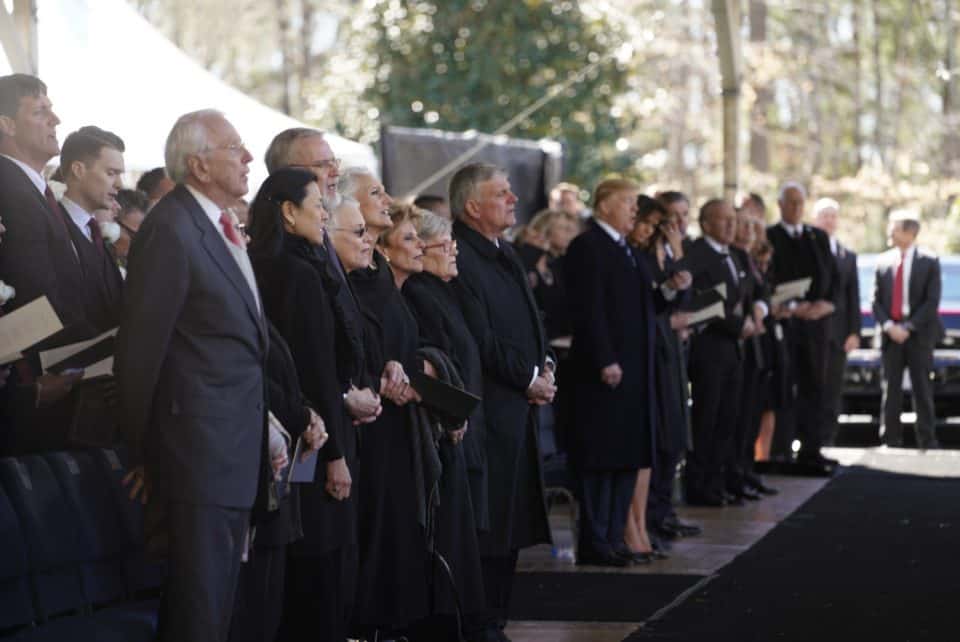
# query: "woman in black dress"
[[298, 295]]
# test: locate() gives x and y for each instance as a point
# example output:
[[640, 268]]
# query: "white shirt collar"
[[834, 245], [908, 253], [211, 209], [793, 230], [612, 233], [722, 249], [35, 177], [78, 215]]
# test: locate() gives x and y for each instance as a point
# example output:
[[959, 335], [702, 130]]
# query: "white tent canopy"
[[105, 65]]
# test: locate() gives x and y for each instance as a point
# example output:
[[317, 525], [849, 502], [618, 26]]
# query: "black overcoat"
[[614, 321], [500, 311], [297, 295], [441, 324]]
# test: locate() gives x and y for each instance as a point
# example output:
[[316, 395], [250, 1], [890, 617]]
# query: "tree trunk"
[[951, 141], [283, 25], [759, 144], [878, 125], [857, 88]]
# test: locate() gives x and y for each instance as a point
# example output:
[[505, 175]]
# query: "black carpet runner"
[[873, 556], [594, 597]]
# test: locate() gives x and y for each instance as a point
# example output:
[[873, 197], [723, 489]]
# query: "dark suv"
[[861, 395]]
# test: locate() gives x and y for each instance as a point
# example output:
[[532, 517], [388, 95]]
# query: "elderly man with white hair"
[[190, 365], [845, 320], [803, 252], [906, 306]]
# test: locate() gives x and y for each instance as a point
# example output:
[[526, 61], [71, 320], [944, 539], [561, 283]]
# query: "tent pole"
[[18, 35]]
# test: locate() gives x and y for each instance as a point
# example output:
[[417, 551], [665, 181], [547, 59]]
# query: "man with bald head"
[[716, 355], [845, 320], [803, 251], [190, 369]]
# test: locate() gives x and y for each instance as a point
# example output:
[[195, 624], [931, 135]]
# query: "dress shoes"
[[743, 492], [817, 465], [732, 500], [682, 528], [638, 559], [664, 534], [757, 484], [930, 445], [658, 542], [592, 558]]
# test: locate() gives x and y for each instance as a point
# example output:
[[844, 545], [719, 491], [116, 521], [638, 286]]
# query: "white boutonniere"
[[110, 231]]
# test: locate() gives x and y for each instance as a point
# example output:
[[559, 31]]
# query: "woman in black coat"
[[298, 296], [464, 482]]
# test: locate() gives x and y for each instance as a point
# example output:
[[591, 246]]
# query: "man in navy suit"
[[190, 364], [906, 304]]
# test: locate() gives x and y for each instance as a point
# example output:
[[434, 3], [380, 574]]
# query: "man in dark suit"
[[190, 361], [37, 257], [845, 320], [906, 302], [517, 377], [801, 251], [716, 355], [613, 308], [91, 164]]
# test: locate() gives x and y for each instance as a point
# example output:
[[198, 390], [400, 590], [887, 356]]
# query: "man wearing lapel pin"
[[801, 251], [906, 304], [190, 361], [845, 320], [716, 356]]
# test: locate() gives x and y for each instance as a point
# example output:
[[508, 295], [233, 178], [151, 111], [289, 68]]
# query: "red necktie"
[[95, 235], [897, 312], [226, 222]]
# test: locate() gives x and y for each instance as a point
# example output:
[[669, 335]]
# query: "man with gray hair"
[[497, 303], [803, 252], [906, 306], [190, 362], [845, 320], [307, 149]]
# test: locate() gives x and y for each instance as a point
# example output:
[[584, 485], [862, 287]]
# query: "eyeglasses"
[[359, 232], [448, 246], [330, 163], [232, 147]]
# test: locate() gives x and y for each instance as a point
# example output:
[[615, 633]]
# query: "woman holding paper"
[[297, 293]]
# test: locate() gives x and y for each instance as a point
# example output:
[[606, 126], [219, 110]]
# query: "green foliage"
[[473, 64]]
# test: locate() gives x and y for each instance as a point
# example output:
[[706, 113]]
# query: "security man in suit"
[[190, 362], [802, 251], [845, 320], [906, 304], [91, 164]]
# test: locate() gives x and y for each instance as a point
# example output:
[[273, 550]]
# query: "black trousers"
[[739, 456], [810, 357], [715, 387], [498, 574], [833, 399], [315, 603], [916, 355], [205, 546], [604, 504], [258, 608], [662, 477]]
